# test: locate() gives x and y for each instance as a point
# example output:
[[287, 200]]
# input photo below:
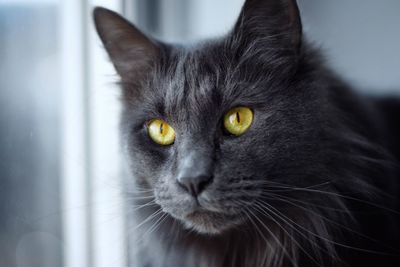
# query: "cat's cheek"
[[142, 170]]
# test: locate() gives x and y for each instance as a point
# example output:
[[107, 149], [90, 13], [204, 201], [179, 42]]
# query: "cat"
[[247, 150]]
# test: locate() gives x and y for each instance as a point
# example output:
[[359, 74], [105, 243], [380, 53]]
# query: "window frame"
[[92, 206]]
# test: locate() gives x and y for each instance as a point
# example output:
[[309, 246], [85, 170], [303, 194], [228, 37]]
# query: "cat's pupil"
[[237, 117], [161, 128]]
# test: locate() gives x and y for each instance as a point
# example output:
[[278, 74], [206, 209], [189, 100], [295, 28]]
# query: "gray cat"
[[246, 151]]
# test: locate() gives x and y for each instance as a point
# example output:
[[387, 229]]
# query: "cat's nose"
[[194, 184], [195, 170]]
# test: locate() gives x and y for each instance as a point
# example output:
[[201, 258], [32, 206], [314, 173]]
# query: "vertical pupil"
[[238, 117], [161, 128]]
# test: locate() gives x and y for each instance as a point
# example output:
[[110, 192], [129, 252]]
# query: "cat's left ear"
[[269, 23], [130, 50]]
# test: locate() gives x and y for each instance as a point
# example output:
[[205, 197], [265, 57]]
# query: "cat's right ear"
[[265, 24], [131, 51]]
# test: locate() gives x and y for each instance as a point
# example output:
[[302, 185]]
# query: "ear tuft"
[[131, 51]]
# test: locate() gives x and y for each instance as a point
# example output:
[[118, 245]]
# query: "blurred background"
[[59, 158]]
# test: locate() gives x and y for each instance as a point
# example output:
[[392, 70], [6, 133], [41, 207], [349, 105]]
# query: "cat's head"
[[209, 127]]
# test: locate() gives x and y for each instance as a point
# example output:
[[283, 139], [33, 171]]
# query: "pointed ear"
[[273, 23], [131, 52]]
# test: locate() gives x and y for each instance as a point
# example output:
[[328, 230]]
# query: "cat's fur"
[[314, 182]]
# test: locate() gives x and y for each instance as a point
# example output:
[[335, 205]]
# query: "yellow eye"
[[161, 132], [238, 120]]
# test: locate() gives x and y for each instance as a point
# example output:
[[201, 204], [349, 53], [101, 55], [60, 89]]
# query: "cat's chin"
[[210, 223]]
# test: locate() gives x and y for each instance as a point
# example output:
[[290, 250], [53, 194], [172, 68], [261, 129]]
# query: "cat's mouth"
[[203, 216], [209, 222]]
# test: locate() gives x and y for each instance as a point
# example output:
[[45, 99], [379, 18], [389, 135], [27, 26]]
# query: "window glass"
[[29, 134]]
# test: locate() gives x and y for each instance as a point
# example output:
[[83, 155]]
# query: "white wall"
[[360, 38]]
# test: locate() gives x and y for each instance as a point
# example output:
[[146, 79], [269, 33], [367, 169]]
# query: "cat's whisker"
[[145, 234], [264, 209], [334, 242], [344, 210], [155, 225], [339, 225], [291, 186], [138, 197], [139, 193], [330, 251], [274, 184], [175, 229], [290, 223], [349, 198], [150, 217], [147, 204], [245, 212], [304, 189], [138, 190], [276, 239]]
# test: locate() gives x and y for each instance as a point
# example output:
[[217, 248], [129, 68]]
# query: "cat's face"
[[192, 89], [192, 93]]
